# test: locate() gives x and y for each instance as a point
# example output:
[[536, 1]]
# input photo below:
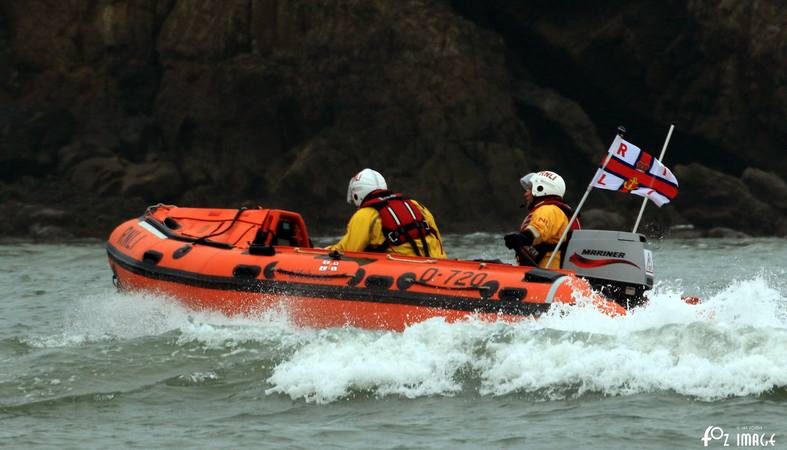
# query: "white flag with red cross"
[[632, 170]]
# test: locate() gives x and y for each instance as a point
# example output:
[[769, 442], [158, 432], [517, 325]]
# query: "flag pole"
[[621, 132], [661, 157]]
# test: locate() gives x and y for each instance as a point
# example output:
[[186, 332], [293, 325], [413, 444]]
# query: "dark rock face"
[[768, 187], [109, 105], [712, 198]]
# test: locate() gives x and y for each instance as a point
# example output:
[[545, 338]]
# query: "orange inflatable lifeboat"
[[247, 260]]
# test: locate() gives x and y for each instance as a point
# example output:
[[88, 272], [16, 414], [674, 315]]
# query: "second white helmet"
[[525, 181], [546, 183], [362, 184]]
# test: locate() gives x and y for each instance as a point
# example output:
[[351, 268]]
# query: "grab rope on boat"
[[201, 239]]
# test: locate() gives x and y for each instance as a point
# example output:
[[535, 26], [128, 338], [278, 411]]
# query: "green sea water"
[[84, 366]]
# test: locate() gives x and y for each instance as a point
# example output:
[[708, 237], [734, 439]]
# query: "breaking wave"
[[732, 344]]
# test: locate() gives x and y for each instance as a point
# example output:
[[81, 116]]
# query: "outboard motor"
[[618, 264]]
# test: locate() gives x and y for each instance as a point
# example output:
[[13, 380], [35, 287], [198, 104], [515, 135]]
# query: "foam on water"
[[733, 344], [125, 316]]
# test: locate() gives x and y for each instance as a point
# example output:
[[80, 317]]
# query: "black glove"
[[516, 240]]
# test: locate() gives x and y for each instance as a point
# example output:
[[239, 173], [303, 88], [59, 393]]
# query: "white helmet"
[[362, 184], [545, 183], [525, 181]]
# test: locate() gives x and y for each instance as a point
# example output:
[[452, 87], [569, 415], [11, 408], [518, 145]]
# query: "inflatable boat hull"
[[318, 288]]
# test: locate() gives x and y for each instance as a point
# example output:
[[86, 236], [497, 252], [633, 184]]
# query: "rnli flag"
[[631, 170]]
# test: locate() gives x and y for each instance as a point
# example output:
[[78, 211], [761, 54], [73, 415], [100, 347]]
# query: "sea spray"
[[82, 361], [733, 344], [715, 350]]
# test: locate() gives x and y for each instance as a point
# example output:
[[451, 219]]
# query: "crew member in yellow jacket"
[[387, 221], [546, 222]]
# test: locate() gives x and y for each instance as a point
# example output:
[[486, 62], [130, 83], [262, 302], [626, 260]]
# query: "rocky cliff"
[[109, 105]]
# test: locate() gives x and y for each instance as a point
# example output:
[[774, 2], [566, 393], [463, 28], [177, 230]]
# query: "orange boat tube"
[[244, 261]]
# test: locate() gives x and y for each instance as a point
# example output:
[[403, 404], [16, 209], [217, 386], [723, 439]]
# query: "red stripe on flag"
[[644, 179], [644, 161]]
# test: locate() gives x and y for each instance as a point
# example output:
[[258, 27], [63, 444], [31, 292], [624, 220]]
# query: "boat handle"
[[391, 257], [311, 252], [313, 275], [335, 255]]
